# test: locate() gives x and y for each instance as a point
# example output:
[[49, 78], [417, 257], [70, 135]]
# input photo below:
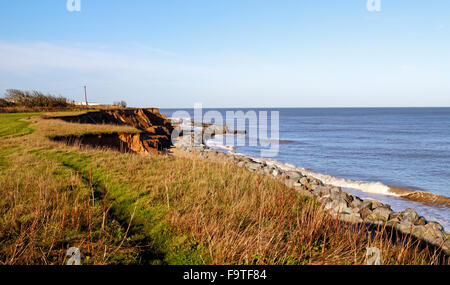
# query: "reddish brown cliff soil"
[[155, 136], [149, 120]]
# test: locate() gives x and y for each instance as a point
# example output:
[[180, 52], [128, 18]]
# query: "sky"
[[230, 53]]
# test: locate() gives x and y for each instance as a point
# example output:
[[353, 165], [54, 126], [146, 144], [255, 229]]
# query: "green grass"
[[148, 226], [4, 153], [12, 125], [41, 221]]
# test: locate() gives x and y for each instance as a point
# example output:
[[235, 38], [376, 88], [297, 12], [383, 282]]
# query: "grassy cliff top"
[[160, 209]]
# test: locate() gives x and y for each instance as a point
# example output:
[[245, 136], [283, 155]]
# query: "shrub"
[[122, 104], [34, 99], [5, 103]]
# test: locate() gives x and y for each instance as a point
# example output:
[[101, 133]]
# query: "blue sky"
[[230, 53]]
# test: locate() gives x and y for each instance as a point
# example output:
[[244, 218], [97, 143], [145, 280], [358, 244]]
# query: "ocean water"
[[369, 148]]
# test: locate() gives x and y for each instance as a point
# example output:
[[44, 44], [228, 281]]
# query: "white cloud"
[[46, 66], [30, 56], [147, 76]]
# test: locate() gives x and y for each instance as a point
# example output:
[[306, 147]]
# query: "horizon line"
[[396, 107]]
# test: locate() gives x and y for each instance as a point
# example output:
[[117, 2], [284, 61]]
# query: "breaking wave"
[[215, 143], [369, 187]]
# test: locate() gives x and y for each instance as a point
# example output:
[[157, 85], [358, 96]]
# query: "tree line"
[[33, 99]]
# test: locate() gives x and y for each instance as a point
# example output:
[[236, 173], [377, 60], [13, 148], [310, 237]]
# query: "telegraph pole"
[[85, 96]]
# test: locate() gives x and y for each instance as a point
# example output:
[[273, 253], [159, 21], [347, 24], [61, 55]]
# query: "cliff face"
[[155, 136], [143, 142], [149, 120]]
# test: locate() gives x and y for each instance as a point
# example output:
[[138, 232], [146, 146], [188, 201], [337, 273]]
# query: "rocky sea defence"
[[342, 205]]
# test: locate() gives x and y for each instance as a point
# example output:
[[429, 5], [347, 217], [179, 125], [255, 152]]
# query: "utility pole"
[[85, 96]]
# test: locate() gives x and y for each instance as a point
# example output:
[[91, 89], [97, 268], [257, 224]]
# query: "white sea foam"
[[368, 187], [218, 145], [186, 124]]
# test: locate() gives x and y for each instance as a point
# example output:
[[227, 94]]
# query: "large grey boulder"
[[353, 200], [325, 200], [337, 194], [267, 170], [305, 182], [421, 222], [393, 222], [436, 226], [366, 204], [431, 232], [294, 175], [409, 216], [253, 166], [247, 159], [376, 204], [315, 182], [241, 164], [446, 246], [314, 186], [365, 209], [405, 228], [322, 191], [351, 218], [380, 214], [338, 207], [365, 213], [335, 190]]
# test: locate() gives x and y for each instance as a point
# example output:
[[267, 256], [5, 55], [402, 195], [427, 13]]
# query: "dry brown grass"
[[45, 209], [50, 127], [232, 216], [190, 210], [252, 220]]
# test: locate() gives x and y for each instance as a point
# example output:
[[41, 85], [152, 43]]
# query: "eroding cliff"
[[155, 135]]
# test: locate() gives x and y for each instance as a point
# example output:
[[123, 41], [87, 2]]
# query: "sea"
[[399, 156]]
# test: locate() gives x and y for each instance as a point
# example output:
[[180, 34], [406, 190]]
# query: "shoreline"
[[377, 188], [343, 205]]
